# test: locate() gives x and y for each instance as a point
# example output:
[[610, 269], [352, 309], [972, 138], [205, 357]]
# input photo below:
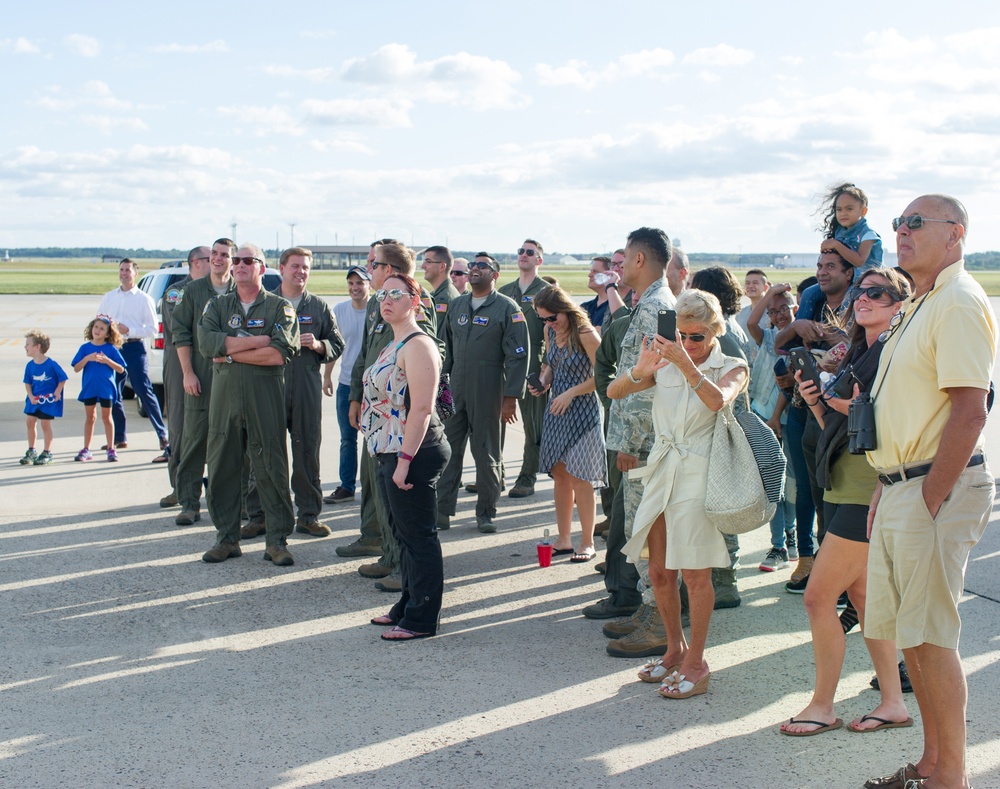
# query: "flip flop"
[[882, 724], [383, 621], [563, 551], [403, 634], [823, 727], [583, 556]]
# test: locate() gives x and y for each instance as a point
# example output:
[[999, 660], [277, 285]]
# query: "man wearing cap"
[[437, 265], [197, 376], [173, 375], [459, 275], [250, 335], [935, 491], [523, 291], [488, 353], [350, 317], [321, 343], [389, 257], [134, 314]]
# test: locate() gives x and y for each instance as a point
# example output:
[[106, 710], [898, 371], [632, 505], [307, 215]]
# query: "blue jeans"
[[348, 440], [783, 522], [805, 510], [137, 368]]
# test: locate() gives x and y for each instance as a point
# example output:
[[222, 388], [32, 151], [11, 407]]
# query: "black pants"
[[621, 579], [413, 520]]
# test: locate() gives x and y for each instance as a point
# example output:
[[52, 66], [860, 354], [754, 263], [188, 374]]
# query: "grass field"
[[80, 277]]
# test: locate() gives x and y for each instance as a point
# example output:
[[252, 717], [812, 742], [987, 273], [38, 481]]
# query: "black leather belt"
[[922, 471], [137, 339]]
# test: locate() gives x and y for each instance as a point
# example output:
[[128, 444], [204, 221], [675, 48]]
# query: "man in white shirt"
[[134, 315]]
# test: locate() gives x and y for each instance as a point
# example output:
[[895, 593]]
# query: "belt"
[[137, 339], [922, 471]]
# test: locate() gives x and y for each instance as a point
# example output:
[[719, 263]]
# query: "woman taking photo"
[[404, 433], [572, 445], [849, 482], [694, 380]]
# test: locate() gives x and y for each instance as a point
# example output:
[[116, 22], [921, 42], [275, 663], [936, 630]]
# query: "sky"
[[476, 126]]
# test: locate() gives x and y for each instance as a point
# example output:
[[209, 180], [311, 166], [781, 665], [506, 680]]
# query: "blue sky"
[[573, 123]]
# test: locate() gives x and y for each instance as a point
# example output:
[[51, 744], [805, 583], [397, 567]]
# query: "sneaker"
[[29, 457], [848, 618], [904, 679], [339, 496], [793, 549], [83, 456], [776, 559], [797, 587], [112, 456], [842, 601], [44, 459]]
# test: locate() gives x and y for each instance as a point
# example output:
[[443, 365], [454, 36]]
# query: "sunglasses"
[[387, 265], [395, 294], [204, 258], [247, 261], [529, 252], [550, 319], [915, 221], [460, 273], [692, 337], [481, 264], [874, 293]]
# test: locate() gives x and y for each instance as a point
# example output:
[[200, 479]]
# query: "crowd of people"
[[616, 412]]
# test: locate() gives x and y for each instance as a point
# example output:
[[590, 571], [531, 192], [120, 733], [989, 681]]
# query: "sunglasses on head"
[[550, 319], [692, 337], [246, 261], [395, 294], [874, 293], [915, 221], [529, 252]]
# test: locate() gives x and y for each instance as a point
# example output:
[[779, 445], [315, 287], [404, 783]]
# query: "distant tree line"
[[95, 252]]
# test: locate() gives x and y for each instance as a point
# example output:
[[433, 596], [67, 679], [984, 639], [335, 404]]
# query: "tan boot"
[[222, 551], [803, 568], [618, 628], [278, 555], [645, 641], [254, 528]]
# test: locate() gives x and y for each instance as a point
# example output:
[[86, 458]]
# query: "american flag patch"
[[517, 317], [441, 307]]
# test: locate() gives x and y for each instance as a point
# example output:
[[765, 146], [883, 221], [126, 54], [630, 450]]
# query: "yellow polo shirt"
[[950, 342]]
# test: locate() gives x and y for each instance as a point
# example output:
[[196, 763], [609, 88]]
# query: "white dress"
[[676, 472]]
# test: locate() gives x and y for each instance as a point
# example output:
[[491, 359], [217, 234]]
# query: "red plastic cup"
[[544, 554]]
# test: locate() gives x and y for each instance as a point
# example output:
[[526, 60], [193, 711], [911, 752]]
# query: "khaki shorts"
[[916, 564]]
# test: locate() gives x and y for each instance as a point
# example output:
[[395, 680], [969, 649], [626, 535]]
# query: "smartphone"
[[666, 325], [780, 367], [802, 360], [535, 382]]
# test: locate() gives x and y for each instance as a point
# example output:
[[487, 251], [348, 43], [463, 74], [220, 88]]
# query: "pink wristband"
[[404, 456]]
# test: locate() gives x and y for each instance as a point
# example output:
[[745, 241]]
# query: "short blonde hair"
[[702, 307]]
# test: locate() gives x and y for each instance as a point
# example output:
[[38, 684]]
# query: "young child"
[[846, 232], [100, 359], [44, 381]]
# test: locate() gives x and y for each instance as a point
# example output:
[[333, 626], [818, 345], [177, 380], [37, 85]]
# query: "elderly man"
[[935, 492], [173, 375], [134, 314], [459, 275], [250, 334], [321, 344]]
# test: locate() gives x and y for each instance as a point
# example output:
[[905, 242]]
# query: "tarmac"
[[131, 663]]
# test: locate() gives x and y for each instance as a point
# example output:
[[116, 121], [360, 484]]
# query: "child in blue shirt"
[[847, 233], [100, 359], [43, 381]]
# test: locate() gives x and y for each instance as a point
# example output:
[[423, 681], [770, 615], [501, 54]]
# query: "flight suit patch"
[[256, 323], [528, 299], [463, 319], [378, 329], [305, 319], [289, 311], [480, 320], [173, 296], [519, 350], [441, 308], [234, 322], [517, 317], [420, 317]]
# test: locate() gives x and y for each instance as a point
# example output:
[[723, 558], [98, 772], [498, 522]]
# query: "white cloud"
[[85, 46], [473, 80], [386, 113], [218, 45], [20, 46], [892, 45], [648, 63], [109, 123], [311, 74], [719, 55], [341, 146], [262, 121], [94, 94], [981, 43]]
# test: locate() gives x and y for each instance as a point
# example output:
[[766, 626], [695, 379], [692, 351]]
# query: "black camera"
[[861, 425], [843, 385]]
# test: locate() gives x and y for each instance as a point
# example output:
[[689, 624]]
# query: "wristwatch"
[[229, 359], [611, 285]]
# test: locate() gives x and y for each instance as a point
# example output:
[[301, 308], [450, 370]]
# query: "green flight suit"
[[246, 414], [173, 378], [488, 353], [304, 407], [378, 334], [184, 324], [442, 296], [532, 408]]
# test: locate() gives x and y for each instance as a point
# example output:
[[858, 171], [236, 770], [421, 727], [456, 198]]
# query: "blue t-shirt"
[[98, 379], [44, 379], [855, 236]]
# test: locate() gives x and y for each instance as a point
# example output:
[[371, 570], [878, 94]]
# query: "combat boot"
[[221, 552], [254, 528], [312, 527], [278, 555], [726, 593], [622, 627], [647, 640]]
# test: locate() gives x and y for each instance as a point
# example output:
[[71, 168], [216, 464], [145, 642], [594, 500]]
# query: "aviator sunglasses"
[[246, 261], [395, 294], [874, 293], [915, 221], [529, 252]]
